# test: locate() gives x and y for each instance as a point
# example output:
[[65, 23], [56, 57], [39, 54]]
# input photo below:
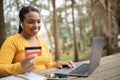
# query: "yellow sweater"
[[12, 53]]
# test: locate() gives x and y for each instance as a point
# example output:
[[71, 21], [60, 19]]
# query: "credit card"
[[33, 50]]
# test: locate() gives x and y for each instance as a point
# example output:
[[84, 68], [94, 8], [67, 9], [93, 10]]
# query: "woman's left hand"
[[61, 64]]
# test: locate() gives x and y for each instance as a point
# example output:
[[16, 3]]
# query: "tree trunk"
[[108, 39], [2, 29], [117, 12], [67, 27], [55, 31], [93, 19], [81, 29], [74, 34]]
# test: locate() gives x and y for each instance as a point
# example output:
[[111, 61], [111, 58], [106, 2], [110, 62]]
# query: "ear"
[[20, 23]]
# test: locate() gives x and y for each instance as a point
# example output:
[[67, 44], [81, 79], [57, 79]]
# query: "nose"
[[36, 24]]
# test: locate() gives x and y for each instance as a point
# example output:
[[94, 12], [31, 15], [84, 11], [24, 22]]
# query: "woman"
[[12, 55]]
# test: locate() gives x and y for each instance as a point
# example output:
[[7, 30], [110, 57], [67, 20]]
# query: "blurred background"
[[68, 26]]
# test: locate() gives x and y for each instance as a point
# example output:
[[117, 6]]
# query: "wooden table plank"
[[116, 77], [108, 69]]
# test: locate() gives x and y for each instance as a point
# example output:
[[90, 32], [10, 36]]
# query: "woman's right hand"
[[28, 63]]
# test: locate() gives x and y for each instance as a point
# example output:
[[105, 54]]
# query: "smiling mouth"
[[35, 31]]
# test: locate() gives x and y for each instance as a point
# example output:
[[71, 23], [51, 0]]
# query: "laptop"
[[85, 69]]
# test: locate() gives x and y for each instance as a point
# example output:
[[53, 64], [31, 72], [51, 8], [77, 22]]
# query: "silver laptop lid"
[[97, 48]]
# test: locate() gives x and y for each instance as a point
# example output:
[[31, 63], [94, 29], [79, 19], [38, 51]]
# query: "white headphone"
[[21, 26]]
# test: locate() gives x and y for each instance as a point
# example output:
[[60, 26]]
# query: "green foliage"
[[82, 55]]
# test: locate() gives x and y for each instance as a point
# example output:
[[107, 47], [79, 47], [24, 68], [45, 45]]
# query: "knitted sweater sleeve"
[[7, 54]]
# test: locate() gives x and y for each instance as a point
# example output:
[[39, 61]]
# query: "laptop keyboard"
[[82, 69]]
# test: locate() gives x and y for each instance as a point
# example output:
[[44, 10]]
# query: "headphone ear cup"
[[22, 26]]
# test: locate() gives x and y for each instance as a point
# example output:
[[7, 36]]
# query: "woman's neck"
[[32, 40], [27, 37]]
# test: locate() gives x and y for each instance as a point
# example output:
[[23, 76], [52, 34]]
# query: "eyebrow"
[[34, 19]]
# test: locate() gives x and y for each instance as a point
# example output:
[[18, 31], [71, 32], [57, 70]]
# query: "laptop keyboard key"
[[82, 69]]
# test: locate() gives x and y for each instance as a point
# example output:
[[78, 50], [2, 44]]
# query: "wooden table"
[[109, 69]]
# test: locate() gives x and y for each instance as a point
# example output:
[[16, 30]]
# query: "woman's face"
[[31, 24]]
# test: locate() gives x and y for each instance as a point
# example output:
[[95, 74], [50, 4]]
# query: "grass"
[[65, 57]]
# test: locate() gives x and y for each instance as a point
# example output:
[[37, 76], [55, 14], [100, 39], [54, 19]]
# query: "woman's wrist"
[[58, 63]]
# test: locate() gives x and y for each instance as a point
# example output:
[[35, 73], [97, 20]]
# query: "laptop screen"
[[97, 48]]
